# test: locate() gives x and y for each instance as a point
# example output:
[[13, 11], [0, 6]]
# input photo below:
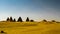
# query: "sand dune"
[[30, 28]]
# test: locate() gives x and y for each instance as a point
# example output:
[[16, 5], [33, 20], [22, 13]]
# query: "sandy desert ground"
[[30, 27]]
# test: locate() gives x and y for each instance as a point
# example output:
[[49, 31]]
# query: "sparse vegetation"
[[30, 26], [27, 20]]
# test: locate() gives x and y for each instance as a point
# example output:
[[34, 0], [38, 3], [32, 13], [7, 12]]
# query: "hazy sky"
[[34, 9]]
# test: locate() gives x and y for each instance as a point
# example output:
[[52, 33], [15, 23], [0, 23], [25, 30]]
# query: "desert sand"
[[30, 27]]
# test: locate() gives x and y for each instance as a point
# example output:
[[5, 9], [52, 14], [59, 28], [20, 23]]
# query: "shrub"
[[14, 20], [19, 19], [11, 20], [44, 20], [31, 20], [2, 31], [57, 22], [53, 21], [27, 20], [8, 19]]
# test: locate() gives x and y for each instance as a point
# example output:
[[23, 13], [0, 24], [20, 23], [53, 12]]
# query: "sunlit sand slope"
[[30, 28]]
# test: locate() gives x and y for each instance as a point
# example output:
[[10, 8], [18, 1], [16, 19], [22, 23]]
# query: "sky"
[[34, 9]]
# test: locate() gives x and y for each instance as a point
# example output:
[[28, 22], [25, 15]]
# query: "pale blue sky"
[[34, 9]]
